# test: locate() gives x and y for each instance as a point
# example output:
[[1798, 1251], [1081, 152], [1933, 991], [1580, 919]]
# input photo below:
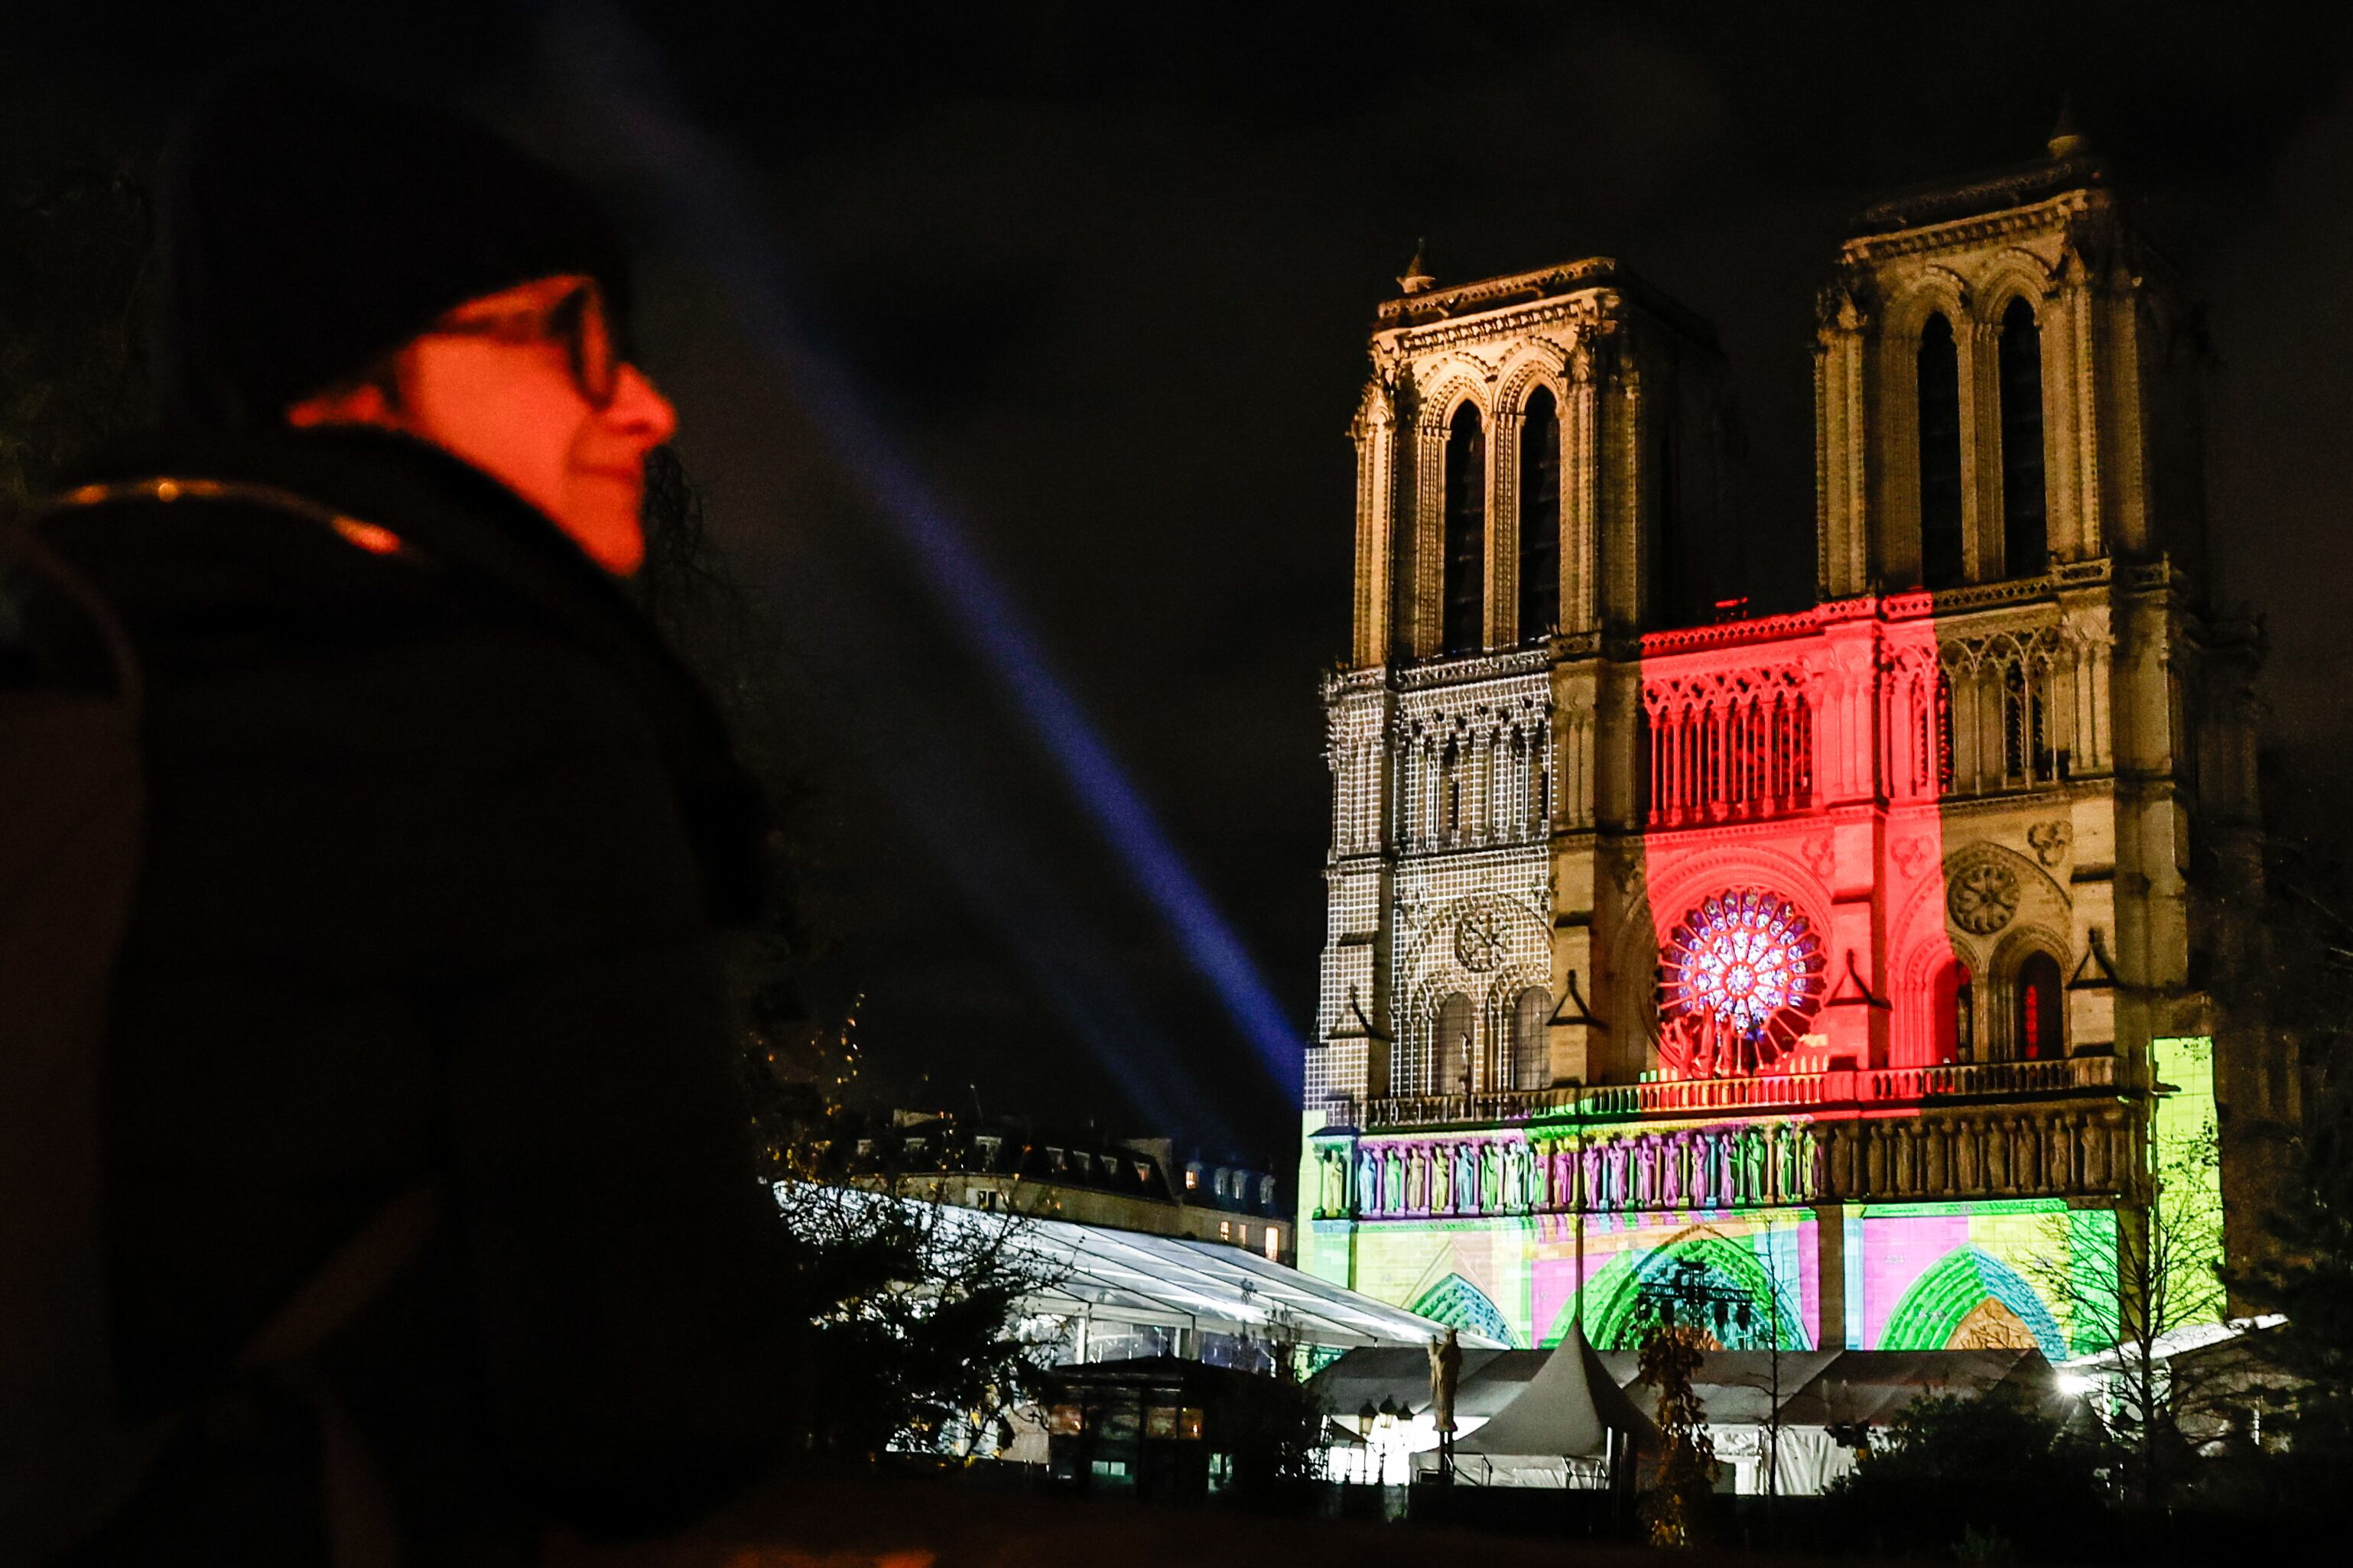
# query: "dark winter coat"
[[442, 845]]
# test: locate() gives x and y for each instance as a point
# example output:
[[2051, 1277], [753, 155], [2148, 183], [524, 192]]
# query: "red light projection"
[[1790, 782]]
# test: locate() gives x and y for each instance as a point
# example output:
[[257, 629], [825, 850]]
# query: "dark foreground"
[[844, 1516]]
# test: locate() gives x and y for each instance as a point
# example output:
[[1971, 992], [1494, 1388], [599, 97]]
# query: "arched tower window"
[[1940, 455], [2025, 536], [1465, 588], [2041, 1031], [1531, 1062], [1540, 516], [1449, 1052]]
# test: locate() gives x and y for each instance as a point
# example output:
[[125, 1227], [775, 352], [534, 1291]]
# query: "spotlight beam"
[[604, 59]]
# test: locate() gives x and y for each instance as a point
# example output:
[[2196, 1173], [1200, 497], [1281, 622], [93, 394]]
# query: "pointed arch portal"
[[1730, 1266], [1970, 1290], [1459, 1304]]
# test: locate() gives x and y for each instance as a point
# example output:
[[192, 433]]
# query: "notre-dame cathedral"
[[1868, 955]]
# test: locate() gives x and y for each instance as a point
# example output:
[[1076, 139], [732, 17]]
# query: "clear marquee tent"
[[1202, 1290], [1121, 1293]]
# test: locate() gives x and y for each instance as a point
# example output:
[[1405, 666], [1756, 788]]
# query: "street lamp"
[[1365, 1419]]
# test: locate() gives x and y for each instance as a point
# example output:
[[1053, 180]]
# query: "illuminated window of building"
[[2025, 536], [1540, 515], [1273, 1243], [1931, 706], [1940, 455], [1531, 1062], [1465, 588], [1956, 1015], [1740, 975], [2026, 756], [2040, 1030], [1719, 750], [1225, 1230], [1451, 1059], [1192, 1178]]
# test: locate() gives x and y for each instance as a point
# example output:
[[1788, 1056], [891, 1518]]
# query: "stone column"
[[1374, 430], [1841, 512], [2070, 407], [1623, 571], [1830, 1268], [1502, 529], [1427, 630], [1580, 496], [1976, 343]]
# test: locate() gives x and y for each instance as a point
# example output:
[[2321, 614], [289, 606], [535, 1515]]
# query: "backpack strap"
[[71, 776], [373, 538], [355, 1275], [363, 1530], [75, 889]]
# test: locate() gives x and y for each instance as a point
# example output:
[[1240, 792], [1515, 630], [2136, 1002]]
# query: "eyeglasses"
[[576, 319]]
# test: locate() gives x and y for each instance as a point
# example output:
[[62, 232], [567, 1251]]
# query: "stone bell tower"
[[2006, 379], [2009, 379], [1538, 481]]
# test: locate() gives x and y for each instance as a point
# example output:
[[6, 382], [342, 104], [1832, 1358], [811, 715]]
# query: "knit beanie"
[[308, 228]]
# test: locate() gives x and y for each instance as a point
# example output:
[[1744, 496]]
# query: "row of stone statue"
[[1756, 1163], [2056, 1151]]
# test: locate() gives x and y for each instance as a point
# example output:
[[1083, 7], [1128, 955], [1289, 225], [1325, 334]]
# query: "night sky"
[[1100, 276]]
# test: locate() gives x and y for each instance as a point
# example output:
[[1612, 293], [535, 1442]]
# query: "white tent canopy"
[[1798, 1394], [1567, 1411]]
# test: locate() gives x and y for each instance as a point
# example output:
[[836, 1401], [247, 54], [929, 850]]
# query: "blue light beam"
[[615, 68]]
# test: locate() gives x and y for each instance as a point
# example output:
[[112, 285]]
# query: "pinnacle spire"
[[1417, 272], [2066, 140]]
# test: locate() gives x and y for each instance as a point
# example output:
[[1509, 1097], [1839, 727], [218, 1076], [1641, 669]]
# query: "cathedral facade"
[[1864, 955]]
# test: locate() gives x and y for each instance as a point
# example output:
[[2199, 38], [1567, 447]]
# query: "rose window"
[[1740, 976]]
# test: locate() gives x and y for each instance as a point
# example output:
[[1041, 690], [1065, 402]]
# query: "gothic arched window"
[[2026, 751], [2041, 1031], [1531, 1061], [1940, 455], [1450, 1054], [1539, 516], [1956, 1015], [1464, 597], [2025, 537]]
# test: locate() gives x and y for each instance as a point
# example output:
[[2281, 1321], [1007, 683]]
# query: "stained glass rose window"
[[1739, 977]]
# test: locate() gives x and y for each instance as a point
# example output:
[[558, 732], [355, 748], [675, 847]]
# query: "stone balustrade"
[[1762, 1091]]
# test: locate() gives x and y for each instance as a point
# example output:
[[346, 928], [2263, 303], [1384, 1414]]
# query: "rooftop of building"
[[1425, 302], [919, 1143], [2068, 163]]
